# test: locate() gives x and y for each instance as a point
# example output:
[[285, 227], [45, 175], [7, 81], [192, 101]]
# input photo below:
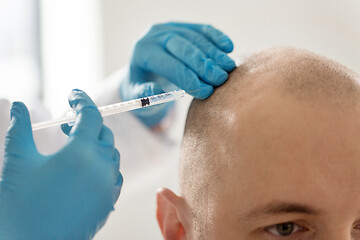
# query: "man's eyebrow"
[[276, 208]]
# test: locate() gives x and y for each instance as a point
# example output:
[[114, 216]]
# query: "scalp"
[[292, 73]]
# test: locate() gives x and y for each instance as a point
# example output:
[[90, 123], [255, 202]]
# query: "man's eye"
[[284, 229]]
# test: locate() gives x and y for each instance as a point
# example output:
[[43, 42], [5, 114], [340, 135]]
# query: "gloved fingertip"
[[79, 99], [13, 111], [203, 93], [119, 180], [75, 93], [17, 109], [223, 76], [17, 105], [66, 128], [227, 45], [73, 97], [117, 187], [229, 64], [116, 156], [76, 90], [19, 136]]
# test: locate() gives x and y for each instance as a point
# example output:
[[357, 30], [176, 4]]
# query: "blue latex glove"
[[191, 56], [67, 195]]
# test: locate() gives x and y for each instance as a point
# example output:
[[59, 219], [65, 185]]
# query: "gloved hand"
[[191, 56], [67, 195]]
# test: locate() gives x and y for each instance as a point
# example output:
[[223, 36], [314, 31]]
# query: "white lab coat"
[[148, 161]]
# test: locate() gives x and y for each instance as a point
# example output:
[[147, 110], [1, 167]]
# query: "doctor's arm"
[[67, 195], [192, 57]]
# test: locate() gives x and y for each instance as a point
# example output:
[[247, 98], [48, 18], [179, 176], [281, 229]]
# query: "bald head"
[[286, 119]]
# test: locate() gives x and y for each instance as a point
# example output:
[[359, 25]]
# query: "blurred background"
[[48, 47]]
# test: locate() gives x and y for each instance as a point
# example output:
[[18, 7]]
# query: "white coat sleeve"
[[149, 160], [141, 148]]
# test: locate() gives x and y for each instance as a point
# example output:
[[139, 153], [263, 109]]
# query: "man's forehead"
[[291, 183], [294, 143]]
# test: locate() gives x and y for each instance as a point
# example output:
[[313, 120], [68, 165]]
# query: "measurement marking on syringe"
[[145, 102]]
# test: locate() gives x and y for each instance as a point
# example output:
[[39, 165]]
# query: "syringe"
[[116, 108]]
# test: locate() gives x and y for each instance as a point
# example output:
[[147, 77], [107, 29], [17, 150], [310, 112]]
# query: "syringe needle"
[[116, 108]]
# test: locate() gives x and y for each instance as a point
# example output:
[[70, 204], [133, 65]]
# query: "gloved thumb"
[[19, 139]]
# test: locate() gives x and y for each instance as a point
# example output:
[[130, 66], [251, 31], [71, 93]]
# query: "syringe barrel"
[[140, 103], [117, 108], [166, 97]]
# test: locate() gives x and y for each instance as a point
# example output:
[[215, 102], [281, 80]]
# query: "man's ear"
[[173, 215]]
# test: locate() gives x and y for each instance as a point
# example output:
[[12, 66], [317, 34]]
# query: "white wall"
[[71, 49], [329, 27], [19, 50]]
